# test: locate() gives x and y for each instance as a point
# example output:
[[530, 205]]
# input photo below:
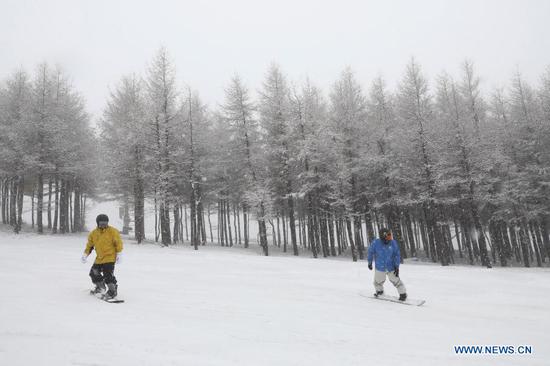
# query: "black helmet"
[[101, 218], [383, 233]]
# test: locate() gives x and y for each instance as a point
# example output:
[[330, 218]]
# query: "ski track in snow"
[[228, 306]]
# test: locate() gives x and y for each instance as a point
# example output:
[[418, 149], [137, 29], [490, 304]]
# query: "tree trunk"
[[535, 243], [83, 206], [165, 234], [481, 236], [263, 229], [187, 226], [285, 241], [357, 235], [350, 238], [339, 236], [237, 222], [50, 203], [371, 235], [245, 223], [210, 225], [32, 207], [292, 223], [4, 192], [176, 223], [458, 241], [220, 223], [193, 218], [156, 222], [410, 234], [40, 203], [62, 206], [139, 210], [524, 243], [393, 220], [331, 234], [278, 241], [228, 213], [544, 234], [20, 191], [77, 227], [56, 210], [324, 234], [13, 203], [430, 231]]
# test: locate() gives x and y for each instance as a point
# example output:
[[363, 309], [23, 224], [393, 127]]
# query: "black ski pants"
[[103, 272]]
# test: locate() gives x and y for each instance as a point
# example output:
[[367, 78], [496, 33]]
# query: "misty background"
[[97, 42]]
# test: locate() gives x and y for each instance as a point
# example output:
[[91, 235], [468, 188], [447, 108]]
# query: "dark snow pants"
[[103, 272]]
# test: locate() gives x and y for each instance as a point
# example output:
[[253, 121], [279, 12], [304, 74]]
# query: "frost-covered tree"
[[385, 175], [123, 143], [14, 127], [242, 166], [47, 133], [414, 105], [348, 116], [193, 158], [460, 168], [308, 114], [163, 108], [238, 113], [273, 107]]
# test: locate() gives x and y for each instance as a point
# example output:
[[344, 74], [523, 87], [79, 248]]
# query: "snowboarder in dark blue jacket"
[[386, 254]]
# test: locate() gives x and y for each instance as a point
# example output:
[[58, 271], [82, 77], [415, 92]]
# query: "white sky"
[[97, 42]]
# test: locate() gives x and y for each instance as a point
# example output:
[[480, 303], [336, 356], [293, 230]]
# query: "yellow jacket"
[[106, 242]]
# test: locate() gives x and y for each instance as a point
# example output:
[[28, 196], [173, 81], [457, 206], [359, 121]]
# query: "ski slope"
[[229, 306]]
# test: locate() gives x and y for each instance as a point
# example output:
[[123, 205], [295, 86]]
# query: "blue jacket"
[[386, 256]]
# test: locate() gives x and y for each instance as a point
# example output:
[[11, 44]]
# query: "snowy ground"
[[228, 306]]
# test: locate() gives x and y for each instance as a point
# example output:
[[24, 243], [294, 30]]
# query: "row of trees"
[[456, 173], [46, 150]]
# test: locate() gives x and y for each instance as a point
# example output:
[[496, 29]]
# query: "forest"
[[459, 173]]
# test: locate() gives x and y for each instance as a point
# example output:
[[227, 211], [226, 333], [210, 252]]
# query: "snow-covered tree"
[[348, 119], [414, 105], [241, 163], [163, 108], [123, 143], [275, 121]]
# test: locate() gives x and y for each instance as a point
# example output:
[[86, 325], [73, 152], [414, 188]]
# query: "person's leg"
[[379, 279], [396, 281], [110, 279], [97, 278]]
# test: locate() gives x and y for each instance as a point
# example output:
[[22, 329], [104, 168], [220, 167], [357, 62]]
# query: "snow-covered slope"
[[228, 306]]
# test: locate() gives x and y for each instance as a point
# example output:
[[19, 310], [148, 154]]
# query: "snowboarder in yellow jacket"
[[107, 243]]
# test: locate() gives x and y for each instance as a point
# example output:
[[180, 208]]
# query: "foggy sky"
[[97, 42]]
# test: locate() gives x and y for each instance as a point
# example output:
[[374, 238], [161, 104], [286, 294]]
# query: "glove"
[[118, 258], [84, 258], [396, 272], [370, 266]]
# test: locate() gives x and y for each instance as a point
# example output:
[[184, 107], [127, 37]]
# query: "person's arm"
[[88, 249], [118, 242], [118, 246], [89, 245], [397, 255], [370, 252]]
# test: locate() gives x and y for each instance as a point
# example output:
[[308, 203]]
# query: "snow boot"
[[112, 292], [99, 288], [378, 293], [402, 297]]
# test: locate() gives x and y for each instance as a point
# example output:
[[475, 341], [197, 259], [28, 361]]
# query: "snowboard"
[[110, 300], [413, 302]]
